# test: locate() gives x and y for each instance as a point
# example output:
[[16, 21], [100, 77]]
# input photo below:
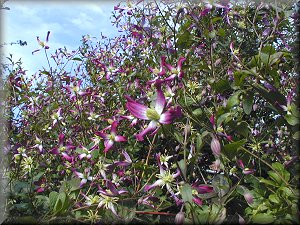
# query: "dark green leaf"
[[263, 218], [292, 120], [248, 103], [186, 193]]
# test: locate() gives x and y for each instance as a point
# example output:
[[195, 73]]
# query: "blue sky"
[[68, 21]]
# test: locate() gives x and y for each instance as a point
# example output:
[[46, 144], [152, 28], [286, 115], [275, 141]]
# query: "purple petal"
[[113, 129], [102, 134], [112, 187], [202, 189], [155, 184], [160, 100], [36, 51], [120, 138], [55, 151], [79, 175], [47, 38], [137, 109], [81, 156], [197, 200], [67, 157], [61, 138], [127, 157], [108, 144], [170, 115], [152, 125], [82, 182], [180, 61]]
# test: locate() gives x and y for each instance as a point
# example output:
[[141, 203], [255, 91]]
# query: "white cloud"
[[83, 21]]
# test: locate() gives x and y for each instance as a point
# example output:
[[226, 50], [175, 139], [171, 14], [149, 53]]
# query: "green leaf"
[[292, 120], [37, 177], [52, 199], [221, 86], [296, 135], [274, 176], [197, 112], [264, 58], [230, 150], [233, 100], [220, 184], [274, 198], [263, 218], [178, 136], [275, 57], [199, 142], [268, 50], [74, 183], [242, 128], [268, 182], [182, 166], [186, 193], [248, 103], [77, 59], [223, 117]]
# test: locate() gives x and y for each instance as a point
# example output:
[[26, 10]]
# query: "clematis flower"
[[176, 71], [165, 179], [245, 169], [42, 44], [127, 160], [57, 117], [62, 148], [155, 115], [109, 139], [85, 176], [156, 72]]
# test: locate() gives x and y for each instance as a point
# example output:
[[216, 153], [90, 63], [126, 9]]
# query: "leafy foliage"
[[189, 115]]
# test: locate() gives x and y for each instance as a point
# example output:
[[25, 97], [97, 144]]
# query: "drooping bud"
[[248, 197], [179, 218], [241, 220], [215, 146]]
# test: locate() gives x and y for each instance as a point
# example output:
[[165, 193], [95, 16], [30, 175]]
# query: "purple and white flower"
[[110, 139], [156, 115]]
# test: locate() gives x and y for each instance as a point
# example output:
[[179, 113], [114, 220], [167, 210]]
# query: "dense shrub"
[[190, 114]]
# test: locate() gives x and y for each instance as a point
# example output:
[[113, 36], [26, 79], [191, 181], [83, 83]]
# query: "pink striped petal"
[[108, 144], [160, 100], [180, 61], [152, 125], [120, 138], [102, 134], [170, 115], [197, 200], [113, 129], [137, 109], [67, 157], [79, 175], [155, 184]]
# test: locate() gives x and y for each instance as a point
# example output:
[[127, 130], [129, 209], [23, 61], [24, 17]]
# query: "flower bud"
[[248, 197], [179, 218], [215, 146]]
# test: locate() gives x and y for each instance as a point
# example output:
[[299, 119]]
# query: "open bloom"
[[166, 178], [109, 139], [176, 71], [85, 176], [155, 115], [42, 44], [246, 170]]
